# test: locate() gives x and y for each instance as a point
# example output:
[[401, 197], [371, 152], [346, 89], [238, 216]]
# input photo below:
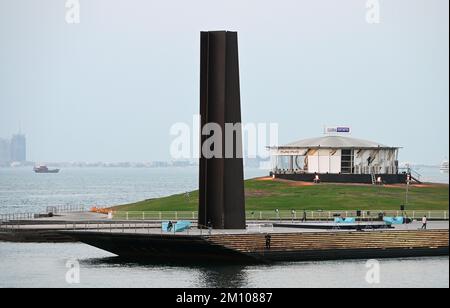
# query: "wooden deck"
[[334, 240]]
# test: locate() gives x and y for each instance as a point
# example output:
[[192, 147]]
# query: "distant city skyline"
[[13, 149], [110, 87]]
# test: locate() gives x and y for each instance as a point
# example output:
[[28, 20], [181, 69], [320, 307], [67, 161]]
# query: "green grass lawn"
[[269, 195]]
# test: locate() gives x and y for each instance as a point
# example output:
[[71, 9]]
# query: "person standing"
[[424, 222], [316, 179], [268, 241], [169, 226]]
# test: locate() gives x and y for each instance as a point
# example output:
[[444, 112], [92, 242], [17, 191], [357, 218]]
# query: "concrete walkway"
[[152, 227]]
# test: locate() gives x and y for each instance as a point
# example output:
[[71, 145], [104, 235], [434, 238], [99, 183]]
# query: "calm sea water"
[[21, 190], [44, 265], [433, 175]]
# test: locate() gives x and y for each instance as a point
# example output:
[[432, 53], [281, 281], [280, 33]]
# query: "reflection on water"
[[232, 276], [217, 275], [44, 265]]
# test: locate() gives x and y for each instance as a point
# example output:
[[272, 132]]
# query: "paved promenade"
[[100, 223]]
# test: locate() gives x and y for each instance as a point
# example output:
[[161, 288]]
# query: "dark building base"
[[161, 248], [345, 178], [35, 236]]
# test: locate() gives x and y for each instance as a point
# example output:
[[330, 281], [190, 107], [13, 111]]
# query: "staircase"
[[251, 243], [374, 178], [414, 175]]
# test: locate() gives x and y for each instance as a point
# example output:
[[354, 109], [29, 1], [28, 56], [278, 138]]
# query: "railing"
[[136, 215], [330, 215], [50, 209], [412, 172], [16, 216], [280, 215], [109, 226], [153, 228], [250, 215], [66, 209]]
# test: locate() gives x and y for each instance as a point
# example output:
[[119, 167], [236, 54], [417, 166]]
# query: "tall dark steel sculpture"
[[222, 200]]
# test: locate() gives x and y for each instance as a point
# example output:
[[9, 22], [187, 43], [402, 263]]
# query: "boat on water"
[[444, 166], [45, 169]]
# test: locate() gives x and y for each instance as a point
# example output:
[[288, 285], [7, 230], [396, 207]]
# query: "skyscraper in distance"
[[19, 148]]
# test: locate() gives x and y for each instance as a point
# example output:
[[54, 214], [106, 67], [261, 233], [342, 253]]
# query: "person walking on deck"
[[424, 222]]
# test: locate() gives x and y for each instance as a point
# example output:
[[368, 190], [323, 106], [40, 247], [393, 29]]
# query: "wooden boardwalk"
[[338, 245], [335, 240]]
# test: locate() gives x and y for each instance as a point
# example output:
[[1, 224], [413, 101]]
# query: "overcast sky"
[[109, 88]]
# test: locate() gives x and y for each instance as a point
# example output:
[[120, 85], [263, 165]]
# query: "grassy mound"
[[267, 195]]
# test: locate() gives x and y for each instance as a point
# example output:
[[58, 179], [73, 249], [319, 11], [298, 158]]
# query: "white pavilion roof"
[[335, 142]]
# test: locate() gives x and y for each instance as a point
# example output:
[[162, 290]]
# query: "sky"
[[109, 88]]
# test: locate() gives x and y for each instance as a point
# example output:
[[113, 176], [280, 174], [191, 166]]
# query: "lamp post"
[[408, 181]]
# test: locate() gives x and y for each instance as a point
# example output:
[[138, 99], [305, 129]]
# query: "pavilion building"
[[337, 159]]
